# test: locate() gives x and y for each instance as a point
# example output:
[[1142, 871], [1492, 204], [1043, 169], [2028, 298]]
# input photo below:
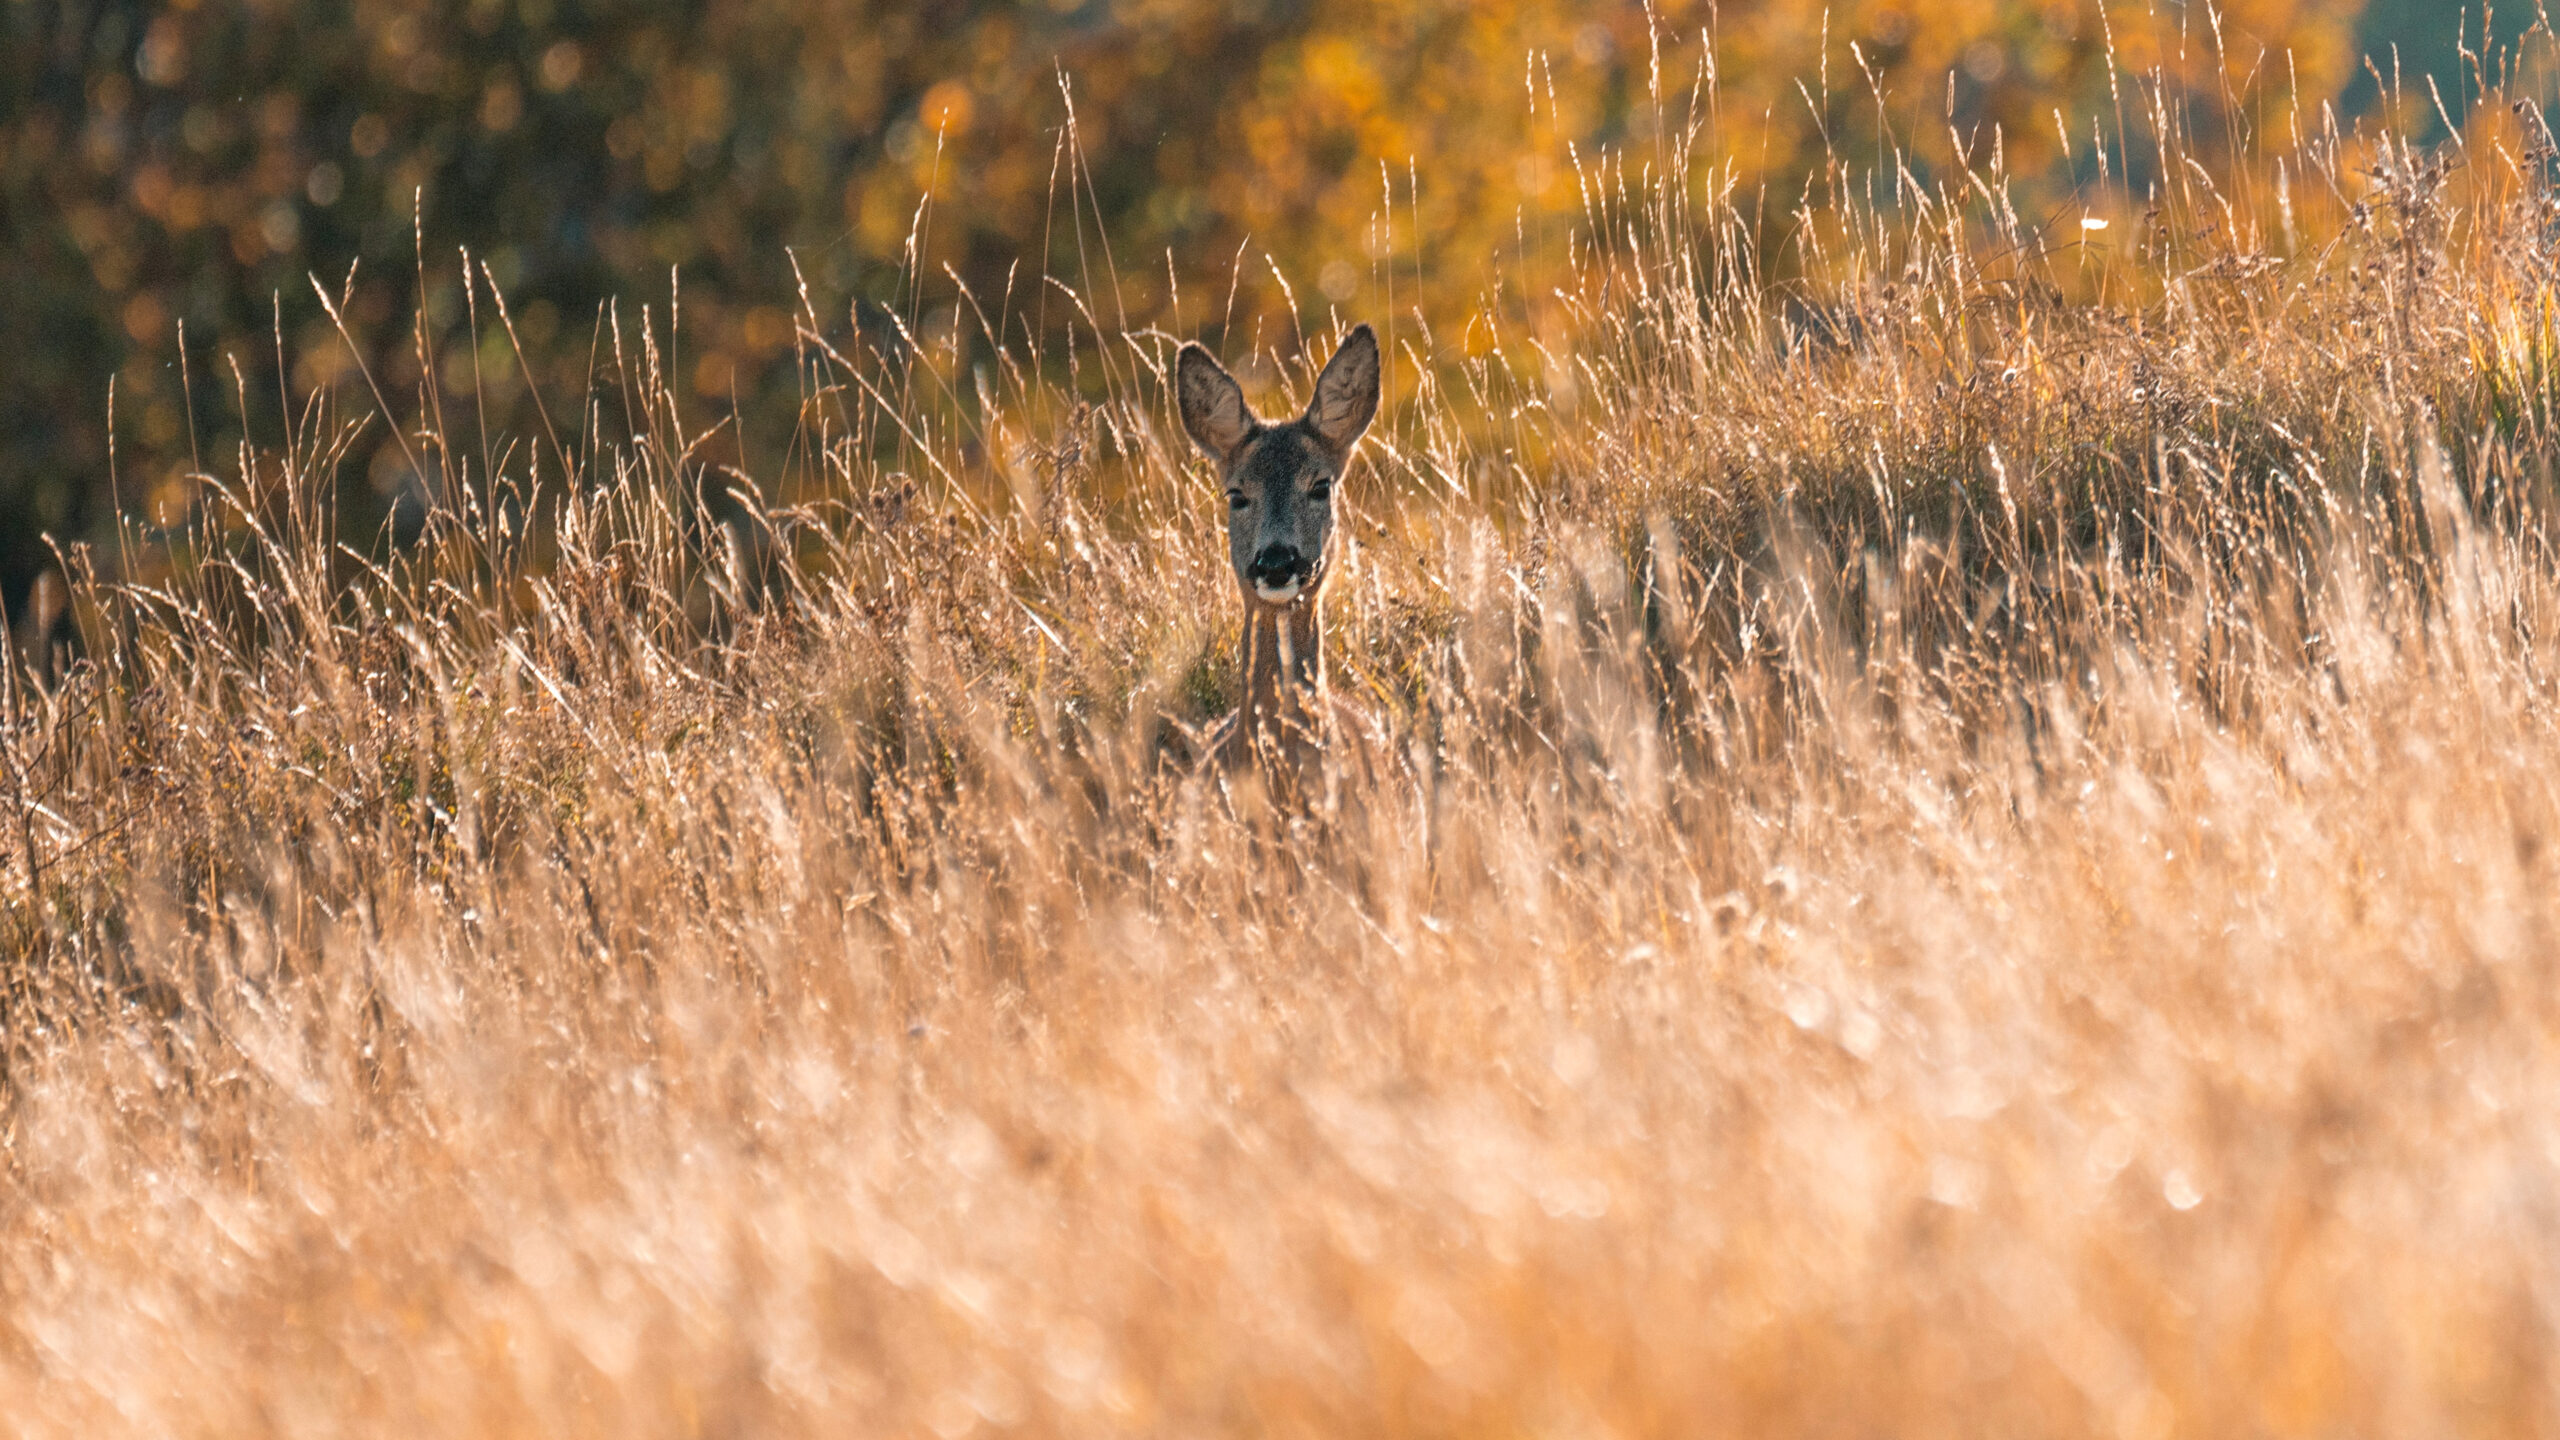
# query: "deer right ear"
[[1212, 403]]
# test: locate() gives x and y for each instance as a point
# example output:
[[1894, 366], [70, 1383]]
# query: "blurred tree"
[[192, 163], [2415, 42]]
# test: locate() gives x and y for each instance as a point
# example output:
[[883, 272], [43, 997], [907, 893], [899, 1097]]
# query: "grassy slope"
[[1988, 870]]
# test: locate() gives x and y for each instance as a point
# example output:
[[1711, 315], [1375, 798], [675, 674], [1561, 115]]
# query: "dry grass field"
[[1972, 847]]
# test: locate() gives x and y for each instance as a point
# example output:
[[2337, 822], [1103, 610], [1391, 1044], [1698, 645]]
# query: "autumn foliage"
[[1962, 832], [197, 164]]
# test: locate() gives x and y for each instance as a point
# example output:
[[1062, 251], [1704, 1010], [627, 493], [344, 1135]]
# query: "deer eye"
[[1321, 490], [1235, 500]]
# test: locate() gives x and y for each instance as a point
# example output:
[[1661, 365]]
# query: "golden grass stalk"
[[1970, 852]]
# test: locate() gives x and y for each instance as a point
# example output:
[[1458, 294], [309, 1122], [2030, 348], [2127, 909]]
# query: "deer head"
[[1279, 478]]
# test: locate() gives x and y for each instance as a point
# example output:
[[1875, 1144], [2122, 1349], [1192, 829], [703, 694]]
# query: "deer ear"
[[1212, 404], [1346, 398]]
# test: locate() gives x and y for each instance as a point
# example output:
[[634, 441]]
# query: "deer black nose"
[[1277, 563]]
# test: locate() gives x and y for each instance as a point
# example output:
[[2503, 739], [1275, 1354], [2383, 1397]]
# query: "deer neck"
[[1284, 663]]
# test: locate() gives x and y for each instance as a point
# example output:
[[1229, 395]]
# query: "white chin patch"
[[1276, 594]]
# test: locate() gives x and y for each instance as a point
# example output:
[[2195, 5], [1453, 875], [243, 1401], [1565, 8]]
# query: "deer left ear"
[[1346, 397], [1212, 404]]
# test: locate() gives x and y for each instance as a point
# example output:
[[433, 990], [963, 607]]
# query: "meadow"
[[1969, 848]]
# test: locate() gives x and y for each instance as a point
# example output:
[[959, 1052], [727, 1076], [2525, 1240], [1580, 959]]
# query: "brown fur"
[[1279, 479]]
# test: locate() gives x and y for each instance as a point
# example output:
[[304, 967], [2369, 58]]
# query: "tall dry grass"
[[1970, 850]]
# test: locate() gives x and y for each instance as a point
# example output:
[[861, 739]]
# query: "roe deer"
[[1279, 480]]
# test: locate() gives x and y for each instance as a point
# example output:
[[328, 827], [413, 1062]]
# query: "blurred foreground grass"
[[1970, 851]]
